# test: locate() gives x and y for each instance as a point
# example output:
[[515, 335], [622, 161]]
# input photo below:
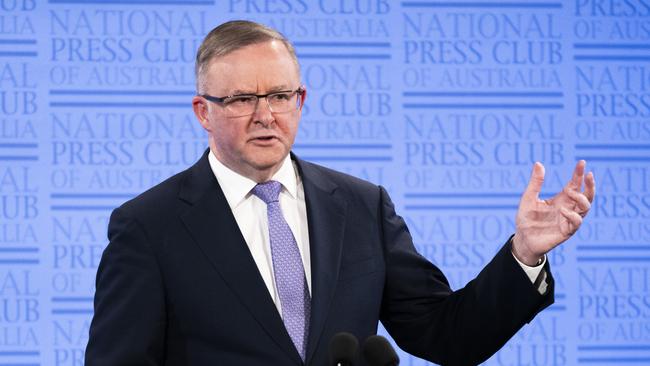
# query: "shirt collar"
[[237, 187]]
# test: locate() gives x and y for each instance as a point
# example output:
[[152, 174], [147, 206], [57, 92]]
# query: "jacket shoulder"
[[343, 179], [355, 190], [156, 201]]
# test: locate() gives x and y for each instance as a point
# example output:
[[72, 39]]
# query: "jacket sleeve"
[[464, 327], [128, 326]]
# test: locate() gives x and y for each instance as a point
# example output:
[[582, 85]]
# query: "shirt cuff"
[[534, 273]]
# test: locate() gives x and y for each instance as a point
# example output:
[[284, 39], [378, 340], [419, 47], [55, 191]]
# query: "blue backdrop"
[[447, 104]]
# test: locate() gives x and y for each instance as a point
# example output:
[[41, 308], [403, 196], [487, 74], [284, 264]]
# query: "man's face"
[[253, 145]]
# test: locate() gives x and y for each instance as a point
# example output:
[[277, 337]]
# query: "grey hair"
[[231, 36]]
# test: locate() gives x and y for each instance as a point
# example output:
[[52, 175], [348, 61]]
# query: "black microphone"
[[343, 349], [378, 352]]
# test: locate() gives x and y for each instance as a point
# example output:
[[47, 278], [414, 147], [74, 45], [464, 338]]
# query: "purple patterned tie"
[[287, 267]]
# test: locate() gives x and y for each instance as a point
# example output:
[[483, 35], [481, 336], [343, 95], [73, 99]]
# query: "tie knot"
[[268, 191]]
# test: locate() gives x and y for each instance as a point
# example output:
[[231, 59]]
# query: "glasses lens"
[[282, 102], [241, 105]]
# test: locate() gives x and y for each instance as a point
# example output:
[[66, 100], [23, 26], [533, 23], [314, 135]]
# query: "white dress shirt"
[[534, 272], [250, 214]]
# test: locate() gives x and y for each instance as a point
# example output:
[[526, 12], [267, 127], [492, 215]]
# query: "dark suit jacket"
[[177, 284]]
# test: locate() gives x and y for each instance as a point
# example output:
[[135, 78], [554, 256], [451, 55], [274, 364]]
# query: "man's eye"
[[281, 97], [240, 100]]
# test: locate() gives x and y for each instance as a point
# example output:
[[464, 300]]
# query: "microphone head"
[[343, 349], [378, 352]]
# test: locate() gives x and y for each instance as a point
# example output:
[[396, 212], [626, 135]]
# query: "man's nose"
[[263, 111]]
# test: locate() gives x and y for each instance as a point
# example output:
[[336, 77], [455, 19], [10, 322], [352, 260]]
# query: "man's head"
[[236, 61], [231, 36]]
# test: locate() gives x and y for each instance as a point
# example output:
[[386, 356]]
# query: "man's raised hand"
[[541, 225]]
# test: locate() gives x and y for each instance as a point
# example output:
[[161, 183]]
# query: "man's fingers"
[[578, 175], [573, 218], [536, 181], [590, 186], [580, 200]]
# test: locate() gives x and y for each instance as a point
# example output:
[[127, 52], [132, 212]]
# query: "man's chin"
[[269, 162]]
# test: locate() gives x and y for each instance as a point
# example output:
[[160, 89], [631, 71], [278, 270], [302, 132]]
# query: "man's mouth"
[[264, 139]]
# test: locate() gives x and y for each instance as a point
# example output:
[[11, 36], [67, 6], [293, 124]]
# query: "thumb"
[[535, 183]]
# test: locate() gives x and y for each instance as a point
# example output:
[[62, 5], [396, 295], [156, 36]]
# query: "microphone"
[[343, 349], [378, 352]]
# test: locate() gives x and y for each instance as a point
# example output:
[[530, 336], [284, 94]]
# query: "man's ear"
[[200, 107], [303, 97]]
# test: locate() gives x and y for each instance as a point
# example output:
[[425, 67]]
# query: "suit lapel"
[[326, 211], [213, 227]]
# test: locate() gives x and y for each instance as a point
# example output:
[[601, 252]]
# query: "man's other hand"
[[541, 225]]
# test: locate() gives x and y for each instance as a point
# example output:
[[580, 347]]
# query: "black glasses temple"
[[213, 99]]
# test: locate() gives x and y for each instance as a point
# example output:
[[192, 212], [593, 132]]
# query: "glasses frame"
[[300, 91]]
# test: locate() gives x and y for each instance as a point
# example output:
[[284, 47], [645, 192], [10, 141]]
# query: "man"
[[255, 257]]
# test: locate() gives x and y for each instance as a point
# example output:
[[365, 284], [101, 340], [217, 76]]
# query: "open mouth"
[[263, 139]]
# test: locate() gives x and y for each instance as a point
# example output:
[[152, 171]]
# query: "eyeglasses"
[[245, 104]]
